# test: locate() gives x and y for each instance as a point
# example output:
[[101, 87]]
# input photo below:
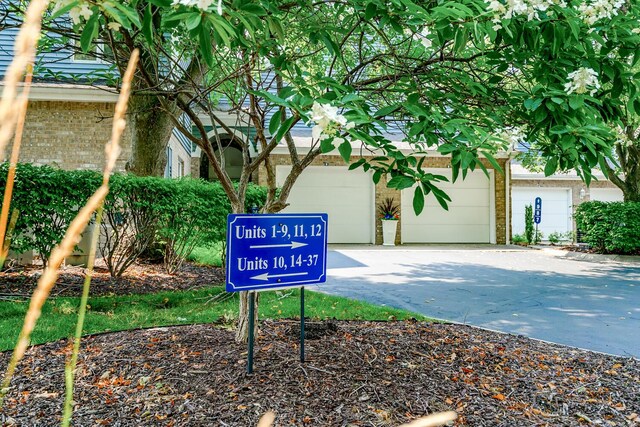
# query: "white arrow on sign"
[[291, 245], [267, 276]]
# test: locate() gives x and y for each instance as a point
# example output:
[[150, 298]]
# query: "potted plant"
[[389, 215]]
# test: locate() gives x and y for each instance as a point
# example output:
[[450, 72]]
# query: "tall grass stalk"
[[24, 55], [74, 232], [13, 162], [70, 368], [113, 151]]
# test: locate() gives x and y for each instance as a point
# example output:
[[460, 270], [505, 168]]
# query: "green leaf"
[[401, 182], [205, 45], [370, 11], [357, 164], [286, 127], [193, 21], [576, 102], [418, 200], [551, 166], [326, 145], [376, 176], [147, 25], [64, 9], [345, 151], [89, 32], [493, 161], [274, 122], [385, 111], [130, 13]]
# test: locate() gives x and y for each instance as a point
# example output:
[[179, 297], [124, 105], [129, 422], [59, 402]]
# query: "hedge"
[[138, 210], [610, 227]]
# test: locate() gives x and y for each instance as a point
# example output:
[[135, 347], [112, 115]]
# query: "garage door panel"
[[444, 233], [606, 194], [455, 215], [346, 196], [468, 219]]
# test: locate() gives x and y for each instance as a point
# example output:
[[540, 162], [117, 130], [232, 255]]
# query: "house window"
[[89, 57], [168, 170], [180, 167]]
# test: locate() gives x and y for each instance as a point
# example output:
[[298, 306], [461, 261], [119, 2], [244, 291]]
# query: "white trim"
[[570, 216], [492, 207], [305, 144], [71, 92], [507, 201]]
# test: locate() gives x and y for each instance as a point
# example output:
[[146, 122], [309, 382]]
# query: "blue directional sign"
[[275, 250], [537, 214]]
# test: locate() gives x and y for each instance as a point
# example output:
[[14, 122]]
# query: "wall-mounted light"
[[325, 163], [582, 193]]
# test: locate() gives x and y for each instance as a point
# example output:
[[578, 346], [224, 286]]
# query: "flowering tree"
[[459, 77]]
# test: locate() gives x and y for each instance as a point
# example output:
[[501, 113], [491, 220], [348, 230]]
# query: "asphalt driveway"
[[591, 305]]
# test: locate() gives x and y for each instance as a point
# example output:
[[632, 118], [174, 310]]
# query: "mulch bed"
[[358, 374], [139, 279]]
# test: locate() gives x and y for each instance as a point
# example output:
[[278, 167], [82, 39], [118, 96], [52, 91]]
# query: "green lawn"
[[208, 255], [115, 313]]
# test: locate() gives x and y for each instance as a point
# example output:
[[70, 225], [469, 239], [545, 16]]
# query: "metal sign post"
[[537, 214], [275, 251]]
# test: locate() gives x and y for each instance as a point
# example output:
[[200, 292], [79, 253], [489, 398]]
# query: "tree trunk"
[[242, 332], [151, 130]]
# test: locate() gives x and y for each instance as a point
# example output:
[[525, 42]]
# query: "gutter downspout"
[[507, 203]]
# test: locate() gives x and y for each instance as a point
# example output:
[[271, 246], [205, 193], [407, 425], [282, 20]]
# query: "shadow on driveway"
[[585, 305]]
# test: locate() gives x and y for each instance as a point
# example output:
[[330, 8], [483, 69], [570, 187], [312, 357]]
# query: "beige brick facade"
[[382, 191], [70, 135]]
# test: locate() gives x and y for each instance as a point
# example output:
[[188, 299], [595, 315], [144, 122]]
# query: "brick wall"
[[70, 135], [382, 192]]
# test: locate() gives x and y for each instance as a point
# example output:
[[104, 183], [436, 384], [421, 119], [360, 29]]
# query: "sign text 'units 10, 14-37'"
[[275, 250]]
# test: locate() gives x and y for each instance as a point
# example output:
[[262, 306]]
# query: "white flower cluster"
[[529, 8], [78, 13], [200, 4], [511, 137], [422, 36], [622, 137], [592, 12], [581, 80], [328, 122]]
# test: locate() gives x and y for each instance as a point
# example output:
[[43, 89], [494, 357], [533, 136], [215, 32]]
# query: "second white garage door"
[[556, 209], [346, 196], [606, 194], [470, 218]]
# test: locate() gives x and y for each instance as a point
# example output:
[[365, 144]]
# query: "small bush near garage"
[[612, 227]]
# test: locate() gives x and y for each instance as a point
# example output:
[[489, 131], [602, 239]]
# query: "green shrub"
[[555, 237], [181, 214], [518, 238], [612, 227], [132, 214], [528, 223], [47, 200]]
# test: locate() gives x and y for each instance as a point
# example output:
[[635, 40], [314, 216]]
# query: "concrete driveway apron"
[[589, 305]]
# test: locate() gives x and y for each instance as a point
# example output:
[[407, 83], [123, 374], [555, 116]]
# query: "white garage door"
[[346, 196], [468, 220], [606, 194], [556, 209]]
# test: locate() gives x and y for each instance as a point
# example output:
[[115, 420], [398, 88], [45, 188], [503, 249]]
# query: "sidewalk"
[[587, 257]]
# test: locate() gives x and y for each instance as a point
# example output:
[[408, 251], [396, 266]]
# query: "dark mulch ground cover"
[[360, 374], [138, 279]]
